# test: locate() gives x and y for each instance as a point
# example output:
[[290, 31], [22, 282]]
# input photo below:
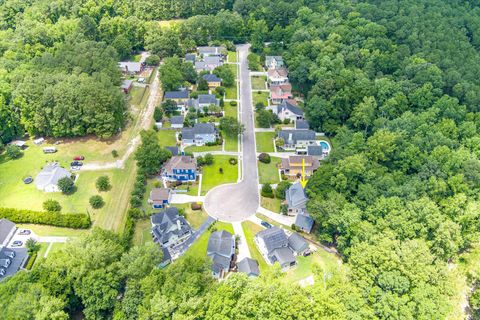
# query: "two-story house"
[[159, 198], [280, 93], [221, 249], [199, 134], [296, 199], [293, 166], [214, 51], [180, 168], [273, 245], [277, 76], [297, 140], [274, 62], [213, 80], [203, 102], [288, 110]]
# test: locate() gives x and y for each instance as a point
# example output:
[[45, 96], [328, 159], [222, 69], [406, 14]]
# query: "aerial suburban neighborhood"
[[239, 159]]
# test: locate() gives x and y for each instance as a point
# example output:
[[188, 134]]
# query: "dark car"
[[17, 243], [307, 253], [79, 158], [24, 232], [76, 164], [27, 180], [266, 224]]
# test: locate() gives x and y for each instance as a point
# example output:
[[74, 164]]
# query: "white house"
[[277, 76], [47, 179]]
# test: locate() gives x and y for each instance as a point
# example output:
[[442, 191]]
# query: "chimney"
[[290, 136], [178, 224]]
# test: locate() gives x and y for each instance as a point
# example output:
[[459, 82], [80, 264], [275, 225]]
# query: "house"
[[7, 230], [203, 102], [180, 168], [159, 197], [292, 167], [177, 96], [221, 249], [315, 151], [212, 80], [297, 139], [249, 267], [296, 199], [302, 125], [304, 222], [126, 86], [298, 244], [274, 62], [201, 66], [177, 122], [174, 150], [190, 57], [166, 258], [11, 260], [47, 179], [210, 51], [169, 229], [130, 67], [208, 63], [277, 76], [274, 246], [287, 110], [200, 134], [280, 93]]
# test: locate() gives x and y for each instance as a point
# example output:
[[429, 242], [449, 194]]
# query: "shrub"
[[267, 191], [284, 209], [208, 159], [96, 201], [52, 205], [220, 170], [264, 158], [157, 184], [51, 218], [158, 114], [32, 246], [233, 103], [13, 151], [103, 183], [196, 206], [233, 161], [281, 189], [114, 153], [135, 201], [152, 60], [66, 185], [259, 106]]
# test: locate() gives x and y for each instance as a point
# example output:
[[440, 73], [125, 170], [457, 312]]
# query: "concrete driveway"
[[237, 202]]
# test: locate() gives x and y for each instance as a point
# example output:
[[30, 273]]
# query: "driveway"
[[178, 251], [237, 202]]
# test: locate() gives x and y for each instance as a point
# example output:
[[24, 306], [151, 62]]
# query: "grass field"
[[251, 229], [199, 247], [167, 138], [137, 94], [265, 141], [203, 148], [260, 96], [41, 230], [230, 111], [231, 92], [142, 233], [231, 143], [194, 217], [232, 56], [212, 176], [258, 82], [271, 204], [268, 173]]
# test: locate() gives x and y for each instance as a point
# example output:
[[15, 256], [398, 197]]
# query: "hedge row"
[[70, 220]]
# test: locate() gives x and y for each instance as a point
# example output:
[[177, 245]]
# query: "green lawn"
[[231, 143], [232, 56], [55, 248], [234, 69], [327, 261], [251, 229], [192, 188], [211, 176], [265, 141], [137, 94], [142, 233], [231, 92], [260, 96], [268, 173], [271, 204], [258, 82], [194, 217], [199, 247], [230, 111], [167, 138], [203, 148], [42, 230]]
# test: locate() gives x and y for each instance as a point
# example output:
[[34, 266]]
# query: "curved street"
[[238, 201]]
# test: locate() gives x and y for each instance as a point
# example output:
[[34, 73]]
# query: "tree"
[[123, 46], [267, 191], [103, 183], [226, 74], [96, 201], [13, 151], [231, 126], [202, 84], [169, 107], [150, 156], [171, 74], [282, 187], [32, 246], [208, 159], [264, 158], [52, 205], [157, 114], [266, 118], [152, 60], [66, 185]]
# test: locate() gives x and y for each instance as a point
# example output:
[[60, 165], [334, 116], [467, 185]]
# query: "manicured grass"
[[268, 173], [142, 233], [234, 69], [251, 229], [203, 148], [167, 138], [199, 247], [271, 204], [231, 92], [194, 217], [230, 111], [265, 141], [212, 176], [327, 261], [55, 248], [41, 230], [192, 188], [231, 143], [258, 82], [232, 56], [136, 95], [260, 96]]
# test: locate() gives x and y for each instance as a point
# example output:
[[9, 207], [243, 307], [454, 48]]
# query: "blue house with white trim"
[[180, 168]]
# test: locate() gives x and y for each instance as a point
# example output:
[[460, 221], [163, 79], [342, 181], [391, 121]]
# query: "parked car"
[[28, 180], [266, 224], [2, 272], [307, 253], [17, 243], [76, 165], [24, 232], [79, 158]]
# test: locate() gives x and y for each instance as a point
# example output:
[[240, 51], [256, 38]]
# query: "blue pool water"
[[325, 145]]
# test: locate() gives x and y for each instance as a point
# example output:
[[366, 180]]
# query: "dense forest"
[[394, 83]]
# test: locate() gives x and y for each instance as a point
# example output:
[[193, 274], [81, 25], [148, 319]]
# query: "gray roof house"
[[169, 229], [221, 249], [47, 179], [210, 51], [304, 222], [249, 267], [7, 230], [203, 101], [295, 139], [176, 95], [273, 62], [287, 110], [190, 57], [297, 243], [211, 77], [174, 150], [302, 125], [131, 67], [273, 244], [11, 260], [200, 66], [177, 121], [296, 199], [315, 151], [199, 134]]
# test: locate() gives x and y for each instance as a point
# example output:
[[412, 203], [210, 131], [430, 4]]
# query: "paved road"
[[237, 202]]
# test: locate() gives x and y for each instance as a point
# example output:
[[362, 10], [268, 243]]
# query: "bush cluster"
[[264, 157], [70, 220]]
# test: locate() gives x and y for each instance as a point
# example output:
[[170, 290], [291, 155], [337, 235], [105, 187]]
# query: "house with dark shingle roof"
[[159, 197], [221, 249], [304, 222], [315, 151], [212, 80], [302, 125], [169, 229], [203, 101], [297, 139], [273, 245], [7, 230], [199, 134], [288, 110], [249, 267], [177, 96], [180, 168], [296, 199], [298, 244], [190, 57], [177, 121]]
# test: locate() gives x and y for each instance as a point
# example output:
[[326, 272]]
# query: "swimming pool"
[[325, 146]]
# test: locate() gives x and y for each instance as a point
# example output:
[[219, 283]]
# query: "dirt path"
[[144, 121]]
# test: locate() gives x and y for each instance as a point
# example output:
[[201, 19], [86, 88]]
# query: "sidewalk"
[[243, 250]]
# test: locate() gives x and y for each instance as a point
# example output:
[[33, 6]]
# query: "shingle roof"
[[198, 128], [207, 99], [130, 66], [180, 162], [248, 266], [219, 262], [273, 238], [6, 226], [297, 243], [176, 119], [50, 175], [159, 194], [200, 65], [126, 84], [280, 72], [283, 255], [190, 57], [209, 50], [212, 60], [173, 149], [169, 223], [221, 243], [304, 222], [314, 150], [181, 94], [210, 77], [295, 195], [292, 136], [290, 107], [302, 125]]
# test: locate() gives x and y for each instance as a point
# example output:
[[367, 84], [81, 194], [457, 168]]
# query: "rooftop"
[[302, 125], [50, 174], [181, 94], [130, 66], [211, 77], [176, 119], [180, 162], [273, 238], [248, 266], [285, 105], [293, 136], [304, 221], [6, 227], [297, 243], [295, 195]]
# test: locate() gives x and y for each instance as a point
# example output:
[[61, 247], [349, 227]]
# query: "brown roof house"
[[292, 167], [277, 76], [159, 198], [180, 168]]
